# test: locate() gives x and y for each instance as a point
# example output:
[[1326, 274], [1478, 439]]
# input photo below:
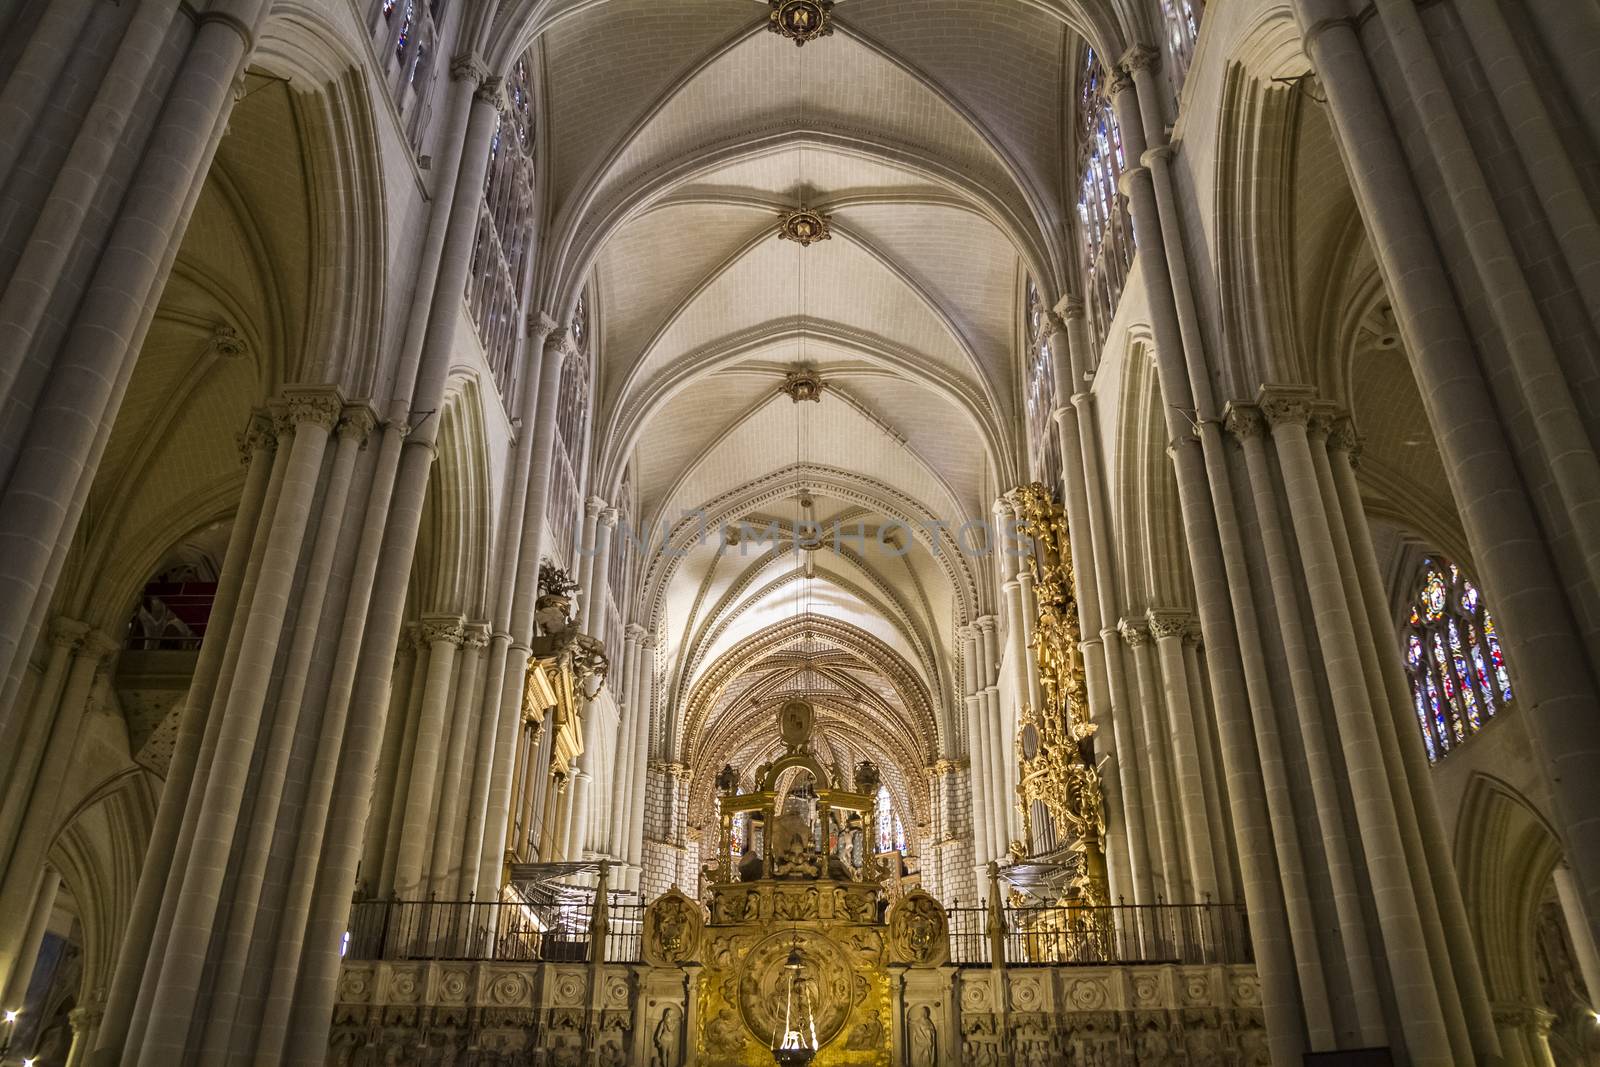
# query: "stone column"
[[408, 679], [1151, 735], [15, 987], [641, 749], [1000, 800], [307, 421], [1443, 911], [444, 634], [577, 815], [1015, 662], [517, 579], [1168, 628], [1422, 1020], [271, 779], [1282, 926], [25, 738], [588, 549], [977, 752], [534, 534], [623, 781], [395, 803], [444, 874], [167, 851], [1210, 767], [85, 1024], [1245, 424], [88, 372], [1578, 927], [1503, 525]]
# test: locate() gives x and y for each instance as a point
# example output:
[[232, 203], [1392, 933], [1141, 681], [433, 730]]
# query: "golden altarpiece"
[[798, 944]]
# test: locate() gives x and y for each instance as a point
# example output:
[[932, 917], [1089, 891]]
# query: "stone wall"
[[441, 1014]]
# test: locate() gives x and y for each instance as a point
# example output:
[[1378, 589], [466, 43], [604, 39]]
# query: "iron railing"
[[497, 930], [1103, 936]]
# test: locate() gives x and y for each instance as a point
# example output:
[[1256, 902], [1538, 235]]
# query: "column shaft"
[[1188, 782], [1325, 776], [1421, 1016]]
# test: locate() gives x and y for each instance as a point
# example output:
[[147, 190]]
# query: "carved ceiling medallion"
[[804, 226], [803, 384], [801, 20]]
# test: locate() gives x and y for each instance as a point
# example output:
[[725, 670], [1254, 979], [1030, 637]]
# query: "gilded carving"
[[1056, 760], [919, 932], [673, 926]]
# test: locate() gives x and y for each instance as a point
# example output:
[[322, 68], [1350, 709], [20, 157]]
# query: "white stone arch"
[[450, 572]]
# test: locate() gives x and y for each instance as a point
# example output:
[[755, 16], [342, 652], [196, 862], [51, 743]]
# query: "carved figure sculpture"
[[923, 1038], [664, 1041], [867, 1034]]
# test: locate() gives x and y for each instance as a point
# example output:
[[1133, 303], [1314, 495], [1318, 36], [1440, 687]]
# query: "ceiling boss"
[[801, 20]]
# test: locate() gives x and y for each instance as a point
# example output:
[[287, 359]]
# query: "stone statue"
[[923, 1038], [664, 1041]]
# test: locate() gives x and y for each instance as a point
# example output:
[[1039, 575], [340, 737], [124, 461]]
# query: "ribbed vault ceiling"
[[943, 173]]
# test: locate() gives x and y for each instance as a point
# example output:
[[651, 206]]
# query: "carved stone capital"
[[475, 636], [257, 436], [540, 324], [559, 341], [67, 633], [1243, 421], [357, 423], [469, 66], [1286, 404], [1133, 634], [435, 628], [1168, 623], [100, 646], [1141, 57], [320, 406], [1193, 633], [1342, 435], [1071, 307], [491, 91], [1119, 80]]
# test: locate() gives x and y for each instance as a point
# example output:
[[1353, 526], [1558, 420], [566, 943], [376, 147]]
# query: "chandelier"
[[801, 20], [797, 1041]]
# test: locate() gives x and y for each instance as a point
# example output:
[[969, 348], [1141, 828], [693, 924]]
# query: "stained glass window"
[[891, 833], [1106, 235], [1458, 672]]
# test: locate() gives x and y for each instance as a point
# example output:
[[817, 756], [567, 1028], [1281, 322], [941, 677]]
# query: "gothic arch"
[[451, 572], [1505, 853], [98, 852]]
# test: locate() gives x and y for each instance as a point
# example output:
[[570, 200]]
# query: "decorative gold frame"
[[1060, 773]]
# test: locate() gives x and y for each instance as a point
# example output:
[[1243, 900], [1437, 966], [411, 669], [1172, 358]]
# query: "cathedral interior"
[[695, 533]]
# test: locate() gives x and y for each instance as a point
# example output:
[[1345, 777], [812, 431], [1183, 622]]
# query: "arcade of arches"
[[844, 531]]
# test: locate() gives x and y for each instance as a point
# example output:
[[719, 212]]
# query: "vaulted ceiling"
[[933, 134]]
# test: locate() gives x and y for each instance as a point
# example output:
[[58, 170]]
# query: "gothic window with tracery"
[[1106, 235], [1452, 651], [1181, 22], [408, 30], [1044, 444], [503, 242]]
